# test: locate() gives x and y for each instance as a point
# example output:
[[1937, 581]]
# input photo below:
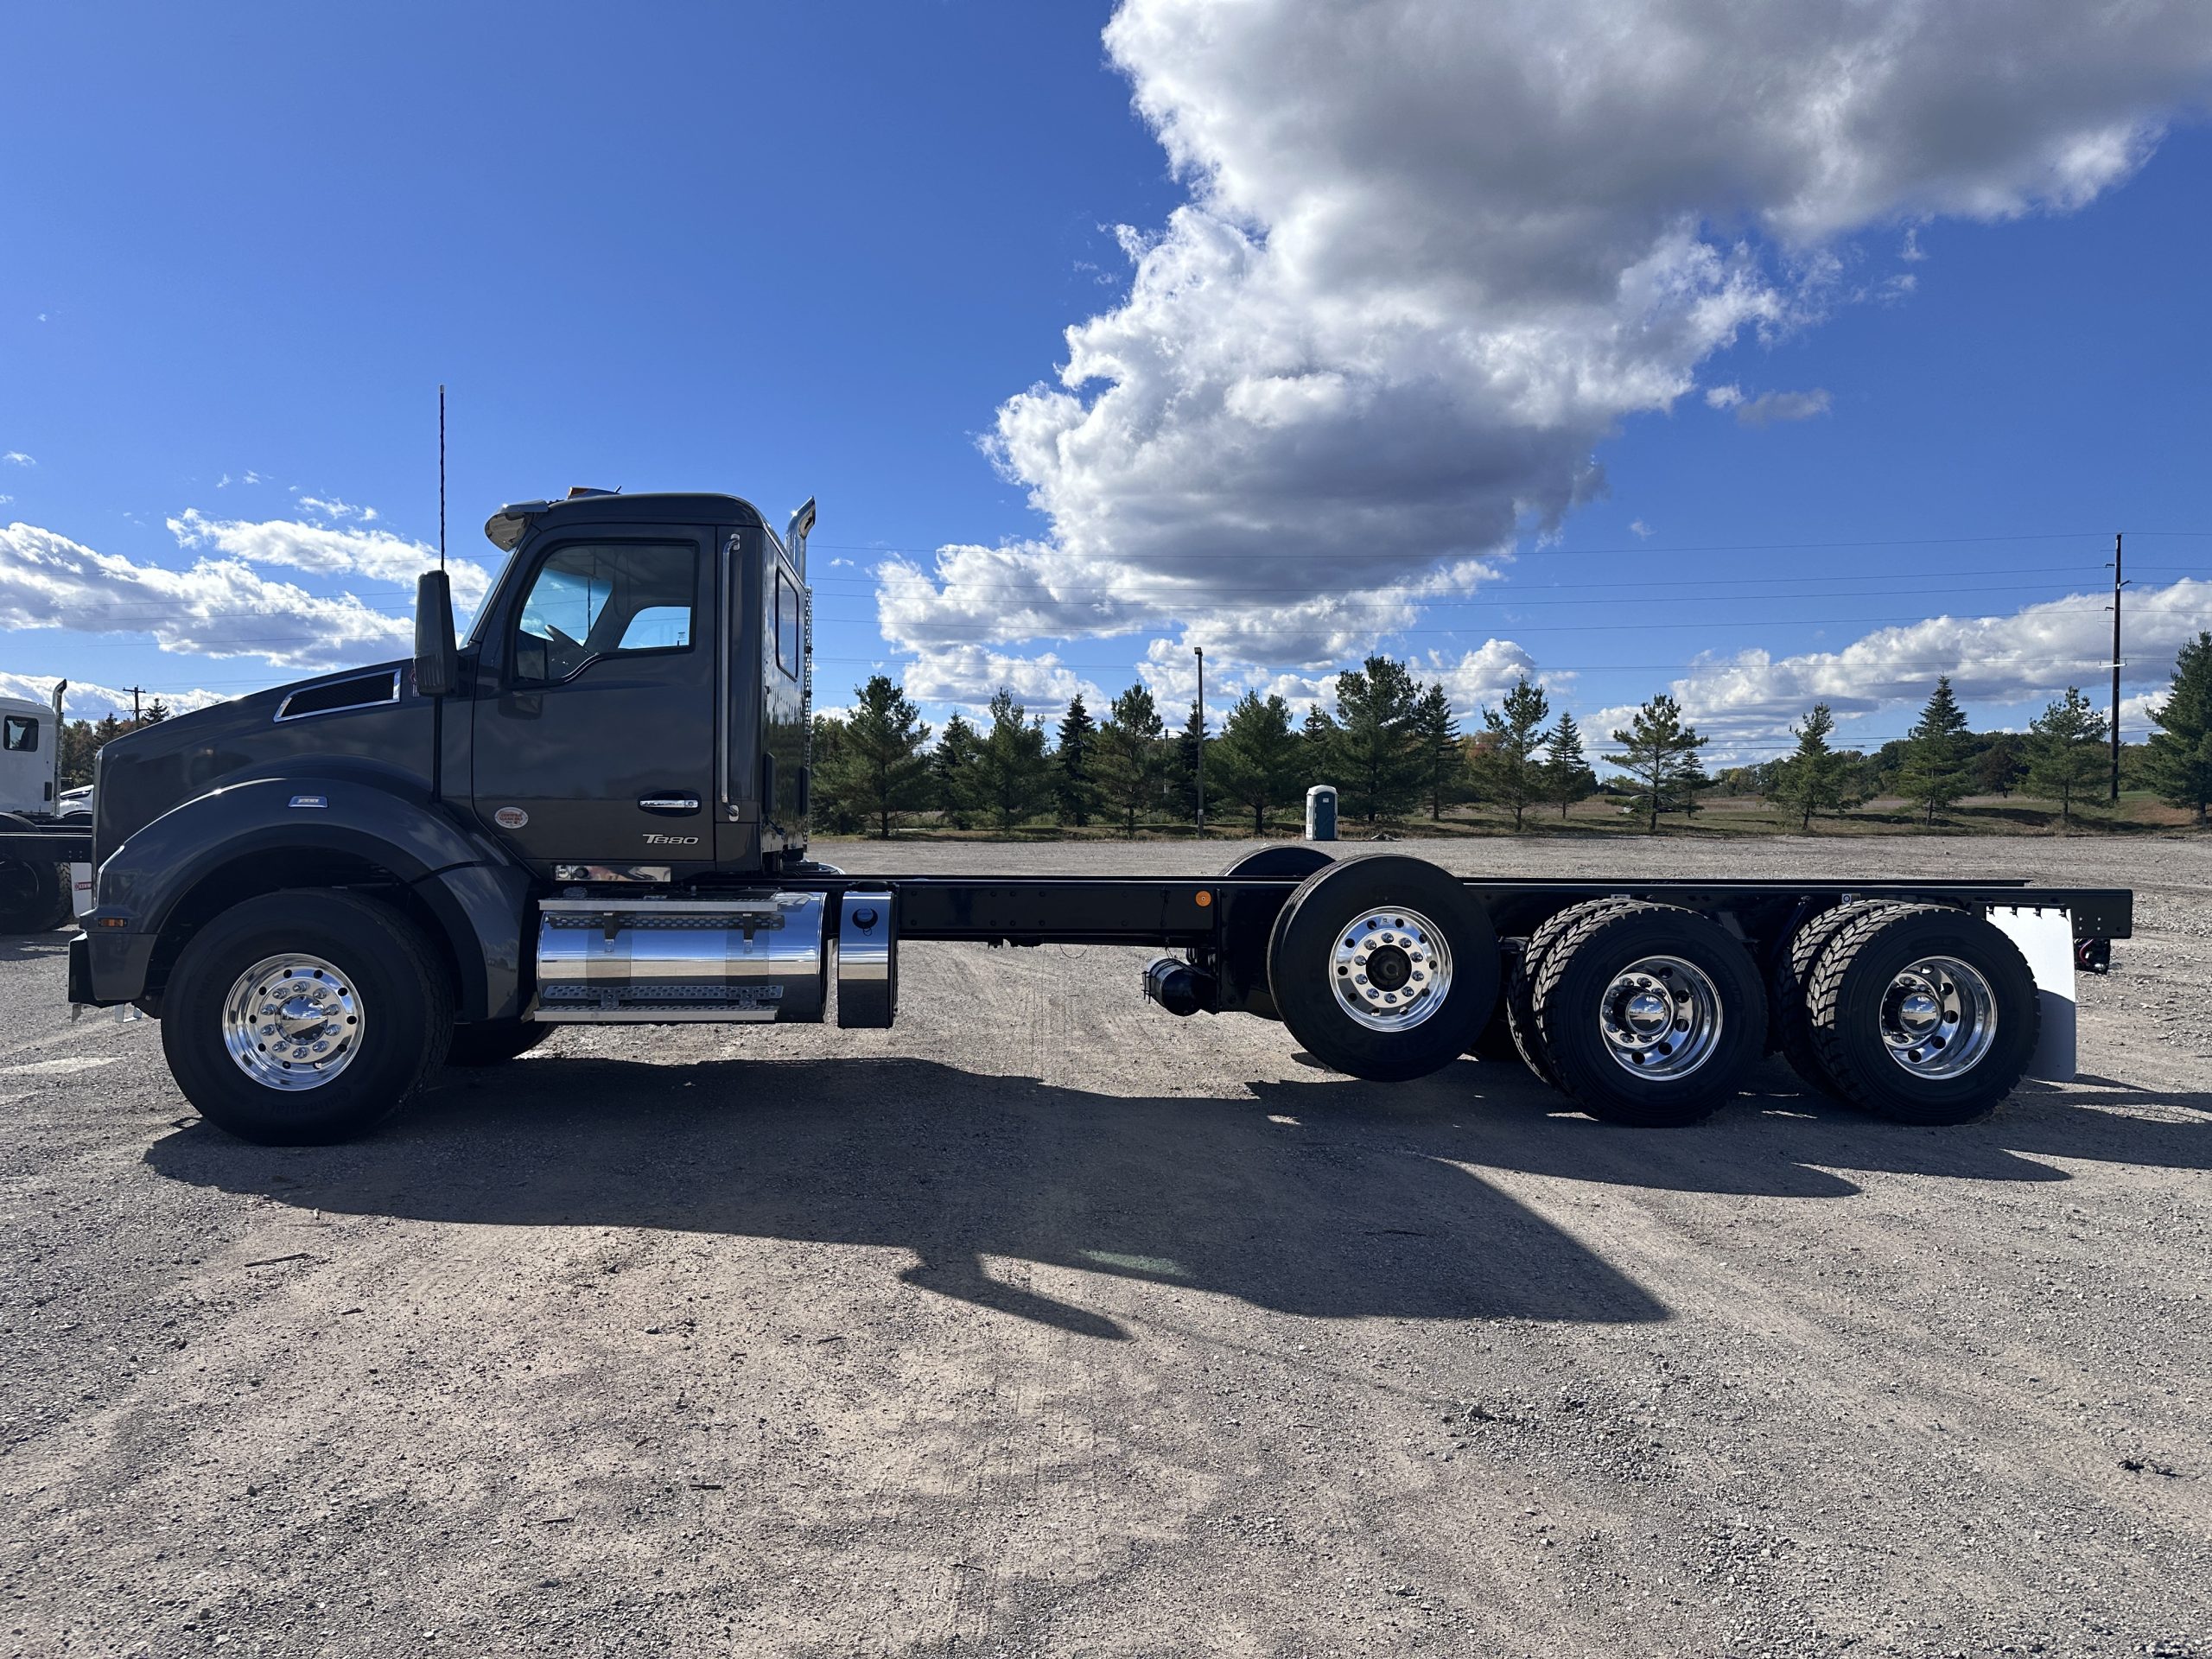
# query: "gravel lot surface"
[[1047, 1324]]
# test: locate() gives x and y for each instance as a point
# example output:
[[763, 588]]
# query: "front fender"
[[475, 891]]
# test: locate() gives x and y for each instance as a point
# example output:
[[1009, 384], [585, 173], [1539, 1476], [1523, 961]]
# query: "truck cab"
[[633, 703]]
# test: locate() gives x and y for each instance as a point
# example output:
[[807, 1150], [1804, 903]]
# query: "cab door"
[[595, 727]]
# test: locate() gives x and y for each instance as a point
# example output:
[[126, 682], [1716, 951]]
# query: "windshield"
[[475, 634]]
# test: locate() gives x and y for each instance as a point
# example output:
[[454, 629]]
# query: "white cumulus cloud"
[[376, 554], [84, 700], [1774, 406], [1433, 253], [2033, 653], [222, 606]]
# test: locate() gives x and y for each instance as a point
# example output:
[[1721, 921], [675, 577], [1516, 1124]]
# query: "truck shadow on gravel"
[[1341, 1219], [1777, 1140], [1330, 1197]]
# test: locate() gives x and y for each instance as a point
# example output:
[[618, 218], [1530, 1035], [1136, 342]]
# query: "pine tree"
[[831, 812], [1258, 762], [1183, 767], [1512, 776], [2000, 765], [880, 771], [78, 748], [2066, 753], [1812, 780], [1013, 778], [952, 770], [156, 711], [1074, 787], [2178, 765], [1568, 776], [1436, 742], [1937, 752], [1659, 753], [1375, 747], [1130, 763]]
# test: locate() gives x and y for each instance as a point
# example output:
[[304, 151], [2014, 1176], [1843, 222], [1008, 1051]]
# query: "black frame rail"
[[1194, 910], [55, 842]]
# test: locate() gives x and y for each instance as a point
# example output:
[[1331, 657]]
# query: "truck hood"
[[364, 719]]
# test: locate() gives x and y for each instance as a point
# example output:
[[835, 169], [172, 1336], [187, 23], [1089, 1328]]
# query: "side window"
[[594, 599], [787, 625], [20, 735]]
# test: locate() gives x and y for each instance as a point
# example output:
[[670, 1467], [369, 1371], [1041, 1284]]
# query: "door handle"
[[672, 806]]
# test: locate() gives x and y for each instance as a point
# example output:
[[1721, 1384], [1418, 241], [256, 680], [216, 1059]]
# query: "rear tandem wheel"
[[1645, 1014]]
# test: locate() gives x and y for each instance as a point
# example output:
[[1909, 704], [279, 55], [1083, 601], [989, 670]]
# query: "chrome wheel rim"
[[293, 1022], [1659, 1017], [1939, 1017], [1391, 969]]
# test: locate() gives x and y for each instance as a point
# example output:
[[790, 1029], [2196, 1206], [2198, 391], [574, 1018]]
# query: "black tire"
[[402, 989], [492, 1042], [35, 897], [1301, 958], [1520, 981], [1845, 1006], [1569, 997], [1792, 1034]]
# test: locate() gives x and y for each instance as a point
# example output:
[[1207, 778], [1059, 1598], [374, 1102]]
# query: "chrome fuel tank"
[[646, 961]]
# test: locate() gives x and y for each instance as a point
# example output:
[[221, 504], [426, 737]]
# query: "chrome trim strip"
[[724, 641], [343, 708]]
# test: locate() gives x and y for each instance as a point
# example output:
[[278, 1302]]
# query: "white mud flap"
[[80, 888], [2045, 935]]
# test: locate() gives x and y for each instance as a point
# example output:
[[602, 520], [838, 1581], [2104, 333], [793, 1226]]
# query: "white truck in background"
[[37, 894]]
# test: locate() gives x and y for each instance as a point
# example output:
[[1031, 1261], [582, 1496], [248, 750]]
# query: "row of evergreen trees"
[[1394, 748], [2064, 757]]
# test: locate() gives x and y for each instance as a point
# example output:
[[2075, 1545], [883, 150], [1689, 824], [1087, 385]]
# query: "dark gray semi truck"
[[594, 810]]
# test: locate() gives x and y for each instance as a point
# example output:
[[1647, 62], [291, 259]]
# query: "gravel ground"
[[1047, 1324]]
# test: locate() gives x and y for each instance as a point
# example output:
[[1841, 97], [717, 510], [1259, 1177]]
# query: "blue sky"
[[1374, 378]]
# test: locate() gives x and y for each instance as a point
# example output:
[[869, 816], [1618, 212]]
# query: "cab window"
[[593, 599], [787, 625], [19, 734]]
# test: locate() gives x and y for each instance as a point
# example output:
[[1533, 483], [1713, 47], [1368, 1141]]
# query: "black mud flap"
[[80, 969]]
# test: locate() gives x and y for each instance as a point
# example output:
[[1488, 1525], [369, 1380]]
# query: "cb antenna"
[[442, 476]]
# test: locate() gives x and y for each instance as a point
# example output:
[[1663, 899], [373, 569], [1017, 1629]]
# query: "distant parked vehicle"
[[35, 894]]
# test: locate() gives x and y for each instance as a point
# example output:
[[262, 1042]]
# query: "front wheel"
[[299, 1019]]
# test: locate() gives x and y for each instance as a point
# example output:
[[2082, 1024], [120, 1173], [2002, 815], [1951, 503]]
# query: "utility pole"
[[1200, 651], [2117, 584], [136, 691]]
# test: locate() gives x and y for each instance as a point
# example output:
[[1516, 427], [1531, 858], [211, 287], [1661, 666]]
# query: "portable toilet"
[[1321, 812]]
